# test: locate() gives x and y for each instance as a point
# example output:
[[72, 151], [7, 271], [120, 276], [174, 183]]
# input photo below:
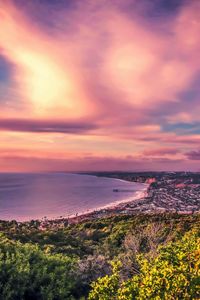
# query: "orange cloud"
[[49, 82]]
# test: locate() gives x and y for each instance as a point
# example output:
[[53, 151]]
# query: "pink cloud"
[[104, 74], [136, 65], [48, 80]]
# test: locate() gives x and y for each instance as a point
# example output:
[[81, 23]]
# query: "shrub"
[[173, 274], [26, 272]]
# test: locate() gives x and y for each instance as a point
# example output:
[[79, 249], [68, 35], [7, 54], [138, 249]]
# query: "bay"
[[26, 196]]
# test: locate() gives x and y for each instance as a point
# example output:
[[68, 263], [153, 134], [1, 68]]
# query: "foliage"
[[107, 287], [26, 272], [173, 274], [61, 261]]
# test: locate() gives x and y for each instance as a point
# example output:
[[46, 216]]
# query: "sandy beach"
[[111, 208]]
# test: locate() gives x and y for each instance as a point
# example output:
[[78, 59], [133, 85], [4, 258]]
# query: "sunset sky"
[[99, 85]]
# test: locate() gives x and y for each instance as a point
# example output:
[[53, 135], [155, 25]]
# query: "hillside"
[[122, 257]]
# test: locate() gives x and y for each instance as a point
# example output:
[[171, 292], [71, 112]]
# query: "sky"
[[99, 85]]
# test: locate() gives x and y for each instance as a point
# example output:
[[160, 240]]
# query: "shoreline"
[[107, 209]]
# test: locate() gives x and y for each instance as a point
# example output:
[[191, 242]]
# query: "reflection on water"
[[33, 196]]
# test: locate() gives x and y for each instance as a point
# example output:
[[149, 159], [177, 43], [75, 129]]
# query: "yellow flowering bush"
[[173, 274]]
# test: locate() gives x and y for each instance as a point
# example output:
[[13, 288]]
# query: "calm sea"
[[33, 196]]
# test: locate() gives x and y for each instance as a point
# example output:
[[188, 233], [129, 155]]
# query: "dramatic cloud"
[[48, 80], [121, 77]]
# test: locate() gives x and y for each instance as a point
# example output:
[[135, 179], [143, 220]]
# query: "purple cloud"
[[25, 125], [193, 155]]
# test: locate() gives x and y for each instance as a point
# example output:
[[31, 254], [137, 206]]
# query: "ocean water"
[[52, 195]]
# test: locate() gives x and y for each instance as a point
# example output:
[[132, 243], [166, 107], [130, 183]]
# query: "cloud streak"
[[193, 155], [46, 126]]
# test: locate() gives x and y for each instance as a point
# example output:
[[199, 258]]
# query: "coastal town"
[[167, 192]]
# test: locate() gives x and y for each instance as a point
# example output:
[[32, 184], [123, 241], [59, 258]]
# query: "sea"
[[26, 196]]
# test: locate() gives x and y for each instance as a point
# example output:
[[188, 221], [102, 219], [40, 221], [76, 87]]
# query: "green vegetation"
[[119, 258], [173, 274], [27, 272]]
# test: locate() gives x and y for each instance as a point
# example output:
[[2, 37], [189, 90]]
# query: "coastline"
[[108, 209], [173, 193]]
